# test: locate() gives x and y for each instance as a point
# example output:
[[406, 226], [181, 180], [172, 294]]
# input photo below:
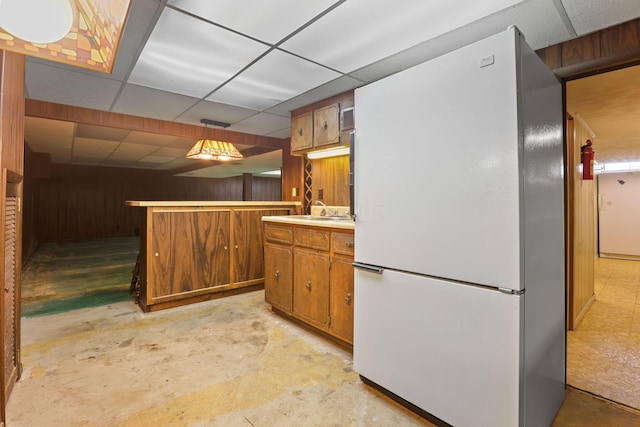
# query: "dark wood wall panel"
[[611, 48], [87, 202], [332, 176]]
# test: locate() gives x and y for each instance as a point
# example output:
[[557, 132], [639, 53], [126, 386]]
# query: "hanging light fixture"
[[208, 149]]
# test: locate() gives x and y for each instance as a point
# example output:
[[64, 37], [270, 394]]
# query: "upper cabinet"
[[326, 128], [302, 132], [321, 125]]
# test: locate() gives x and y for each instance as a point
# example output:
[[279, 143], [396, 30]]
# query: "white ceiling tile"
[[262, 124], [329, 89], [215, 111], [183, 46], [265, 20], [360, 32], [273, 79], [590, 15], [65, 86], [85, 147], [184, 143], [147, 102]]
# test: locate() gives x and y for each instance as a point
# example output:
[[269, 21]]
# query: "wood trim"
[[49, 110]]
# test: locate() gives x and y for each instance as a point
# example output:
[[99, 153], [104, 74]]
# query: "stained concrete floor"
[[75, 274], [229, 362]]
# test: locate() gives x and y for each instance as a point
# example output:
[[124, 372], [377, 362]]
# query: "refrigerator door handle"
[[368, 267]]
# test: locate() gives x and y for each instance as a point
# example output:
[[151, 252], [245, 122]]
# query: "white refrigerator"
[[459, 238]]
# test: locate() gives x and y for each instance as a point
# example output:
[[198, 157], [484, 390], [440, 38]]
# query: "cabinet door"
[[278, 281], [248, 257], [190, 251], [302, 131], [200, 247], [342, 298], [326, 125], [311, 286]]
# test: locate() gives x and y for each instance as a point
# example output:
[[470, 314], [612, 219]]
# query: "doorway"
[[603, 343]]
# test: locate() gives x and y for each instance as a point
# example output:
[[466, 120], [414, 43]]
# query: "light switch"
[[487, 60]]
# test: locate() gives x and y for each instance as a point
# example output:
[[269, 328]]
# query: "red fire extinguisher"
[[587, 155]]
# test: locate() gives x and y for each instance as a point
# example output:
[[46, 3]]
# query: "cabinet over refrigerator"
[[459, 235]]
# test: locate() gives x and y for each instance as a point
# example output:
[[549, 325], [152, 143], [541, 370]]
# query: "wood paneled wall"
[[601, 51], [332, 176], [581, 248], [87, 202], [12, 68]]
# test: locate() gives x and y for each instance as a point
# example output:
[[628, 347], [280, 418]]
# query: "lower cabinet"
[[308, 275]]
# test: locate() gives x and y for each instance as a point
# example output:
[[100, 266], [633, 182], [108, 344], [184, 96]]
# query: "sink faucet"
[[320, 202], [323, 212]]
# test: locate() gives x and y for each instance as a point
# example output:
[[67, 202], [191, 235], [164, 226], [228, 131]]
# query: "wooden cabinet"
[[308, 275], [302, 132], [195, 253], [326, 125], [315, 128]]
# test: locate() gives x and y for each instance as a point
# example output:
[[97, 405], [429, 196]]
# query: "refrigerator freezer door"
[[450, 349], [437, 182]]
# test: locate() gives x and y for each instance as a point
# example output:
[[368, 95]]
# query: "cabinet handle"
[[236, 246], [277, 274], [325, 125], [225, 248], [300, 131], [308, 286], [348, 299], [349, 244]]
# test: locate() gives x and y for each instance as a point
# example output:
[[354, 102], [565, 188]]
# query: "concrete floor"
[[229, 362]]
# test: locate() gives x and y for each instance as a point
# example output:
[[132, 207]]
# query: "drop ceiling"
[[250, 63]]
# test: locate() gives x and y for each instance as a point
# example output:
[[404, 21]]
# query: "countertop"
[[345, 224], [191, 203]]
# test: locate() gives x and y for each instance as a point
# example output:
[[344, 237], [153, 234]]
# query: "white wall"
[[619, 214]]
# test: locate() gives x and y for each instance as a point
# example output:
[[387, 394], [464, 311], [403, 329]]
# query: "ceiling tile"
[[590, 15], [360, 32], [171, 152], [156, 159], [132, 152], [42, 143], [174, 164], [142, 14], [84, 147], [215, 111], [275, 78], [183, 46], [262, 124], [55, 84], [257, 18], [100, 132], [329, 89], [147, 138], [147, 102], [184, 143], [38, 126]]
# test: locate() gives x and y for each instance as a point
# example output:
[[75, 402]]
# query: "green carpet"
[[71, 275]]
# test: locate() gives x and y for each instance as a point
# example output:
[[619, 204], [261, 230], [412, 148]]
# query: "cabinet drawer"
[[342, 243], [278, 234], [309, 238]]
